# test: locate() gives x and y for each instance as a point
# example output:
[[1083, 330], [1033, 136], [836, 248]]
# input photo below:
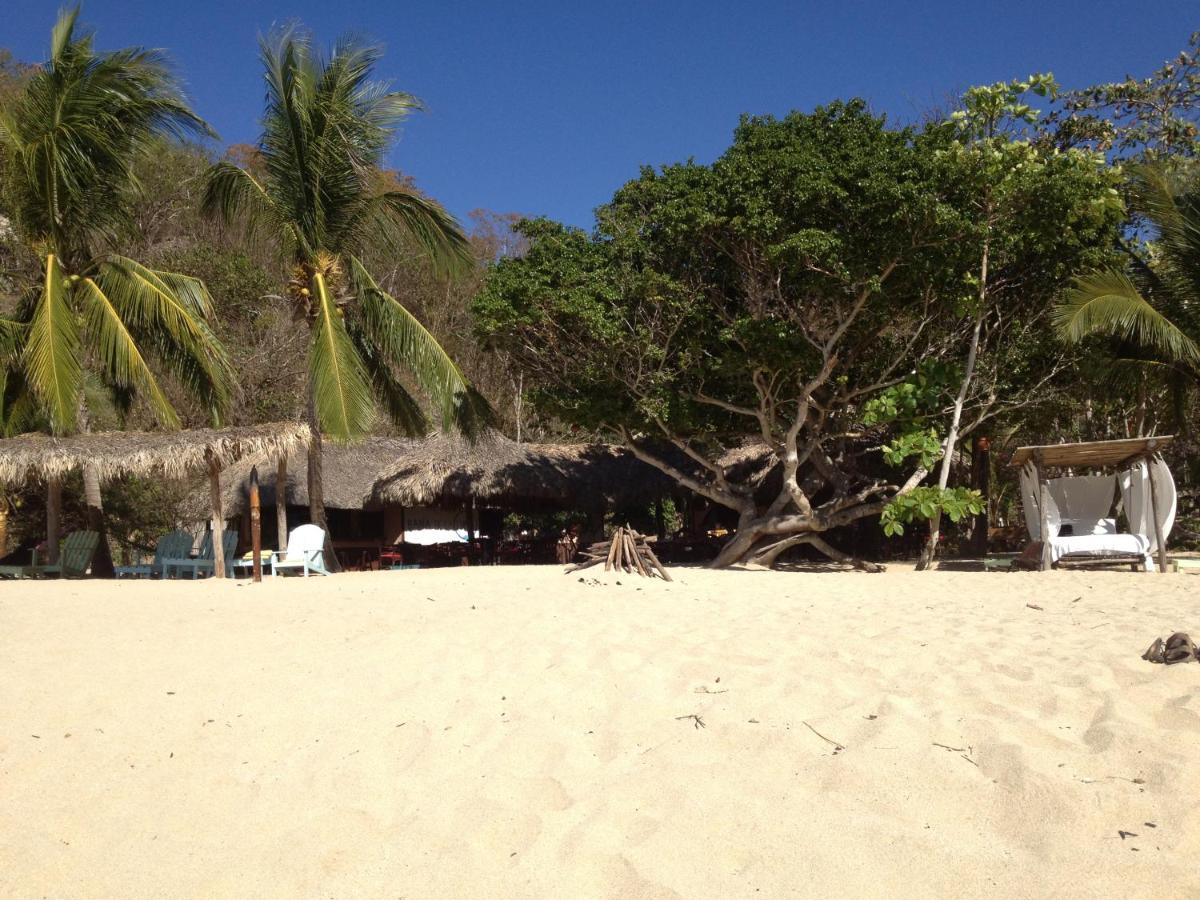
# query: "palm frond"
[[1110, 303], [62, 35], [234, 195], [118, 354], [12, 334], [425, 221], [76, 127], [403, 341], [402, 408], [340, 385], [51, 356], [168, 314]]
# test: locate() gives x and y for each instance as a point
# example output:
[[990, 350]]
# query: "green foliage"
[[915, 399], [1153, 303], [71, 136], [924, 502], [923, 444], [1155, 116]]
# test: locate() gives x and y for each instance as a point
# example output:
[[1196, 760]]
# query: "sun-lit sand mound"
[[520, 733]]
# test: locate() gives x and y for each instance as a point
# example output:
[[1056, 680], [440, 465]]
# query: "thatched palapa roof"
[[172, 454], [380, 471], [499, 471]]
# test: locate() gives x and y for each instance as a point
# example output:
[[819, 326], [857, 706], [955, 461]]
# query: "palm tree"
[[94, 318], [318, 193], [1153, 306]]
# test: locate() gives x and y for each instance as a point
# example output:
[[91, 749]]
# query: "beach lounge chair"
[[305, 551], [74, 559], [203, 563], [172, 545]]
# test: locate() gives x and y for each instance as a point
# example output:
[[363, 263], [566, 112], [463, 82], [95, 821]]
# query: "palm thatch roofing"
[[444, 470], [501, 472], [171, 454]]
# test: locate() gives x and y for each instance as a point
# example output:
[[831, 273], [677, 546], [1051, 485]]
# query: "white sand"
[[514, 732]]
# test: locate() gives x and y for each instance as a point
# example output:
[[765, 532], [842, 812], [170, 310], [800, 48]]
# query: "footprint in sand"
[[1099, 737]]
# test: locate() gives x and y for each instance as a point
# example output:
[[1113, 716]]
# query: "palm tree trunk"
[[102, 564], [53, 519], [281, 476], [316, 486]]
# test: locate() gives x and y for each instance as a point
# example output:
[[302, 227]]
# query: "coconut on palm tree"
[[318, 193], [1153, 305], [94, 318]]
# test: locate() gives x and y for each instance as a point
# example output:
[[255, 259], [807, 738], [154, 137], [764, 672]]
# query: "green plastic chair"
[[74, 559], [203, 564], [172, 545]]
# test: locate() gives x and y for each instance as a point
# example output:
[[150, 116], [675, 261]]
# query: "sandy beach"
[[516, 732]]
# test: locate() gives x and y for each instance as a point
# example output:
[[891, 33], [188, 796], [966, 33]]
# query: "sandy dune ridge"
[[516, 732]]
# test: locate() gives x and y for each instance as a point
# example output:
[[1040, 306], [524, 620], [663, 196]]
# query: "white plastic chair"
[[305, 551]]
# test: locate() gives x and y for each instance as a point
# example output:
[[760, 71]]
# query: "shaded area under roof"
[[171, 454], [1091, 453]]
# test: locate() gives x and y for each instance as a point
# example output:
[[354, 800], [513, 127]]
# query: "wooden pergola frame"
[[1118, 454]]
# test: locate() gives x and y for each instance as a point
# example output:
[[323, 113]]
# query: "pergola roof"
[[1091, 453], [173, 454]]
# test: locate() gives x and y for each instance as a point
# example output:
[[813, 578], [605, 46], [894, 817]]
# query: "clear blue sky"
[[547, 107]]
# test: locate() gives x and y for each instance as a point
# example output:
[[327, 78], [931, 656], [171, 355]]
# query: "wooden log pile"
[[625, 550]]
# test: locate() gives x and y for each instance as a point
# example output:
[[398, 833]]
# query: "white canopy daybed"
[[1073, 516]]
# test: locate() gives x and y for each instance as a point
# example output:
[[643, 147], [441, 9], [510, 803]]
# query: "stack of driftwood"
[[625, 550]]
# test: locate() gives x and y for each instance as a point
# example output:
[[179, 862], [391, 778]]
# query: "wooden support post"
[[281, 534], [1158, 535], [1043, 495], [255, 525], [53, 519], [218, 516]]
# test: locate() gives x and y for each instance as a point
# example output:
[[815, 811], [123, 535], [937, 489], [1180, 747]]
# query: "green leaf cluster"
[[923, 502]]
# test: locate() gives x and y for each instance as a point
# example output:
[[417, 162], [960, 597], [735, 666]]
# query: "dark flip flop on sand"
[[1178, 648], [1154, 653]]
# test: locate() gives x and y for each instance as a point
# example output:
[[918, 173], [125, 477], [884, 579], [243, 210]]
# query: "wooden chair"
[[203, 564], [74, 559], [172, 545], [305, 551]]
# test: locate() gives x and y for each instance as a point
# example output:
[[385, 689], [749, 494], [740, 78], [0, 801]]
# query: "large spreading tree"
[[316, 190], [805, 292]]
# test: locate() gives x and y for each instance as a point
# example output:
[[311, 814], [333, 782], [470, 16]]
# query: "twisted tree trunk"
[[935, 522]]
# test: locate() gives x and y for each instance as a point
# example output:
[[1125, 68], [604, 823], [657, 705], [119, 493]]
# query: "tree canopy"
[[773, 297]]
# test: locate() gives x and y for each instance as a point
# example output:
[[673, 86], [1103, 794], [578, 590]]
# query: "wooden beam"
[[1043, 493], [1158, 535], [218, 516]]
